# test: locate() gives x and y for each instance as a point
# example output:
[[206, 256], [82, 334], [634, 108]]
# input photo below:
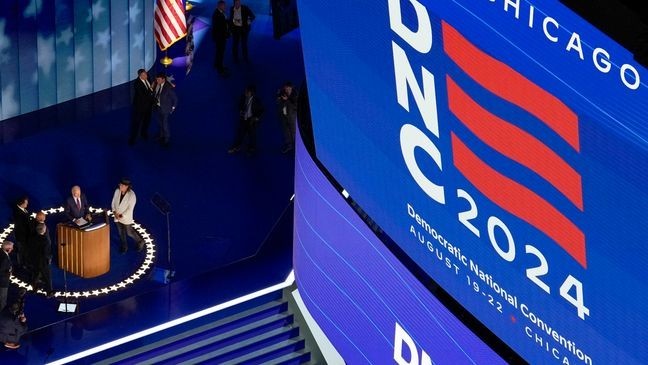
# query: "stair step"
[[189, 348], [220, 330], [297, 357], [261, 355], [237, 335], [208, 351]]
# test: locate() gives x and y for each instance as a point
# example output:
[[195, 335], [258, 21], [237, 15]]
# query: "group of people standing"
[[251, 110], [13, 322], [237, 25], [158, 97], [33, 249], [122, 206], [31, 253]]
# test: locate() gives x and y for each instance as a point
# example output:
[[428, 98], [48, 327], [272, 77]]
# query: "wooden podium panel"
[[84, 253]]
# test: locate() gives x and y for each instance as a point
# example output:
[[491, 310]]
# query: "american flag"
[[170, 24], [189, 48]]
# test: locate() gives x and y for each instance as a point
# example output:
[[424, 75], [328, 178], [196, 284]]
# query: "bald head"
[[40, 216], [7, 246], [76, 191]]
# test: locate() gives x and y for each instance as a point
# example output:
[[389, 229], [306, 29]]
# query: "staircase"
[[265, 334]]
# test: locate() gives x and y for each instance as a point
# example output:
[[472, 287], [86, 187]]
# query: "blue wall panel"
[[46, 51], [101, 44], [150, 47], [136, 35], [64, 50], [55, 51], [9, 67], [121, 48], [83, 52], [28, 64]]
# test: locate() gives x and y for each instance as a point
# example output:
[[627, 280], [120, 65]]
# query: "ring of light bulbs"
[[146, 265]]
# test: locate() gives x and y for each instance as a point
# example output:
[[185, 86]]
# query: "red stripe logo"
[[515, 143], [502, 80]]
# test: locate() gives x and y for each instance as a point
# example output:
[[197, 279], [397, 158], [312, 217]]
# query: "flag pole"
[[166, 60]]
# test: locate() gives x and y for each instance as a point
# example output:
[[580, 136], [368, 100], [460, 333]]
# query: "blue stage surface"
[[180, 298], [228, 225]]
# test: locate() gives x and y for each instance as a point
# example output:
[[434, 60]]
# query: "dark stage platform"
[[231, 215]]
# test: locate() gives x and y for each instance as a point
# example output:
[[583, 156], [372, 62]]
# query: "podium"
[[84, 251]]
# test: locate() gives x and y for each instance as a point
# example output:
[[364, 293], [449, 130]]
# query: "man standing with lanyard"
[[250, 112], [241, 18], [165, 104]]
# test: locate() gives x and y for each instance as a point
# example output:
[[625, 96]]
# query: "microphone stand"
[[171, 271], [65, 290], [164, 207]]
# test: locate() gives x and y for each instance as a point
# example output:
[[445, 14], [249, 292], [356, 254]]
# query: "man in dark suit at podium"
[[76, 205]]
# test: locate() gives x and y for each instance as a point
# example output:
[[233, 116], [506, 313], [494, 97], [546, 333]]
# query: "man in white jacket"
[[123, 204]]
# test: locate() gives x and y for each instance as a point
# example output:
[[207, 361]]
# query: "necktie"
[[157, 94], [78, 202], [248, 109]]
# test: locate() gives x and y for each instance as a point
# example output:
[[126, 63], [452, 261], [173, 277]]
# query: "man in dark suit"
[[250, 112], [287, 108], [220, 33], [5, 272], [22, 225], [166, 102], [142, 106], [13, 322], [76, 205], [42, 256], [241, 18]]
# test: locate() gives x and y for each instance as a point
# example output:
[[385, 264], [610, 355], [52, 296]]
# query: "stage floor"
[[223, 207]]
